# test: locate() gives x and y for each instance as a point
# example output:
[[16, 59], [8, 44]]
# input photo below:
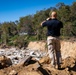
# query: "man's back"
[[53, 27]]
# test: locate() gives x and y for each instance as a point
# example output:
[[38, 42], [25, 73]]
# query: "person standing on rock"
[[53, 42]]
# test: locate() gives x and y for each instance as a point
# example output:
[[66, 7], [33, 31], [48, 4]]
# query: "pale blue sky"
[[11, 10]]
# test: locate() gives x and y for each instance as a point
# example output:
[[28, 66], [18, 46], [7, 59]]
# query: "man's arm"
[[44, 22]]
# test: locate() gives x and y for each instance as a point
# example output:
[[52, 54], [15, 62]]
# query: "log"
[[24, 61]]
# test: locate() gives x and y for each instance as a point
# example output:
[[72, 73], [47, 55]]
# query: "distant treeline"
[[28, 28]]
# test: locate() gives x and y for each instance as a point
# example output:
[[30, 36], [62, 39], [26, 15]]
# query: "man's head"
[[53, 14]]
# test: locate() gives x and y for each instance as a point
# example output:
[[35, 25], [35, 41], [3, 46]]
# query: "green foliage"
[[25, 24], [19, 41], [31, 38], [30, 26]]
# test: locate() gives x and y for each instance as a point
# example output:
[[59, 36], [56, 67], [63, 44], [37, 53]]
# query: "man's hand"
[[42, 23]]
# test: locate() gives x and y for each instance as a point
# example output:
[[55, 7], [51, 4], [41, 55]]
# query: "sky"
[[12, 10]]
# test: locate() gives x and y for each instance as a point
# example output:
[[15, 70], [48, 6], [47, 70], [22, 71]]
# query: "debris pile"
[[16, 56]]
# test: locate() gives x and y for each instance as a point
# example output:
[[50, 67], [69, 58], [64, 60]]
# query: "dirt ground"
[[43, 67]]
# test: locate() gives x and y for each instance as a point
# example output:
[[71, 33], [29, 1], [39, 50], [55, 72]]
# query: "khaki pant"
[[54, 50]]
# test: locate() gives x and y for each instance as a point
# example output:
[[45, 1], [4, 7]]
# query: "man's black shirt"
[[53, 27]]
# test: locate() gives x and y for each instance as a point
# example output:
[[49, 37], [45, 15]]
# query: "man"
[[53, 26]]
